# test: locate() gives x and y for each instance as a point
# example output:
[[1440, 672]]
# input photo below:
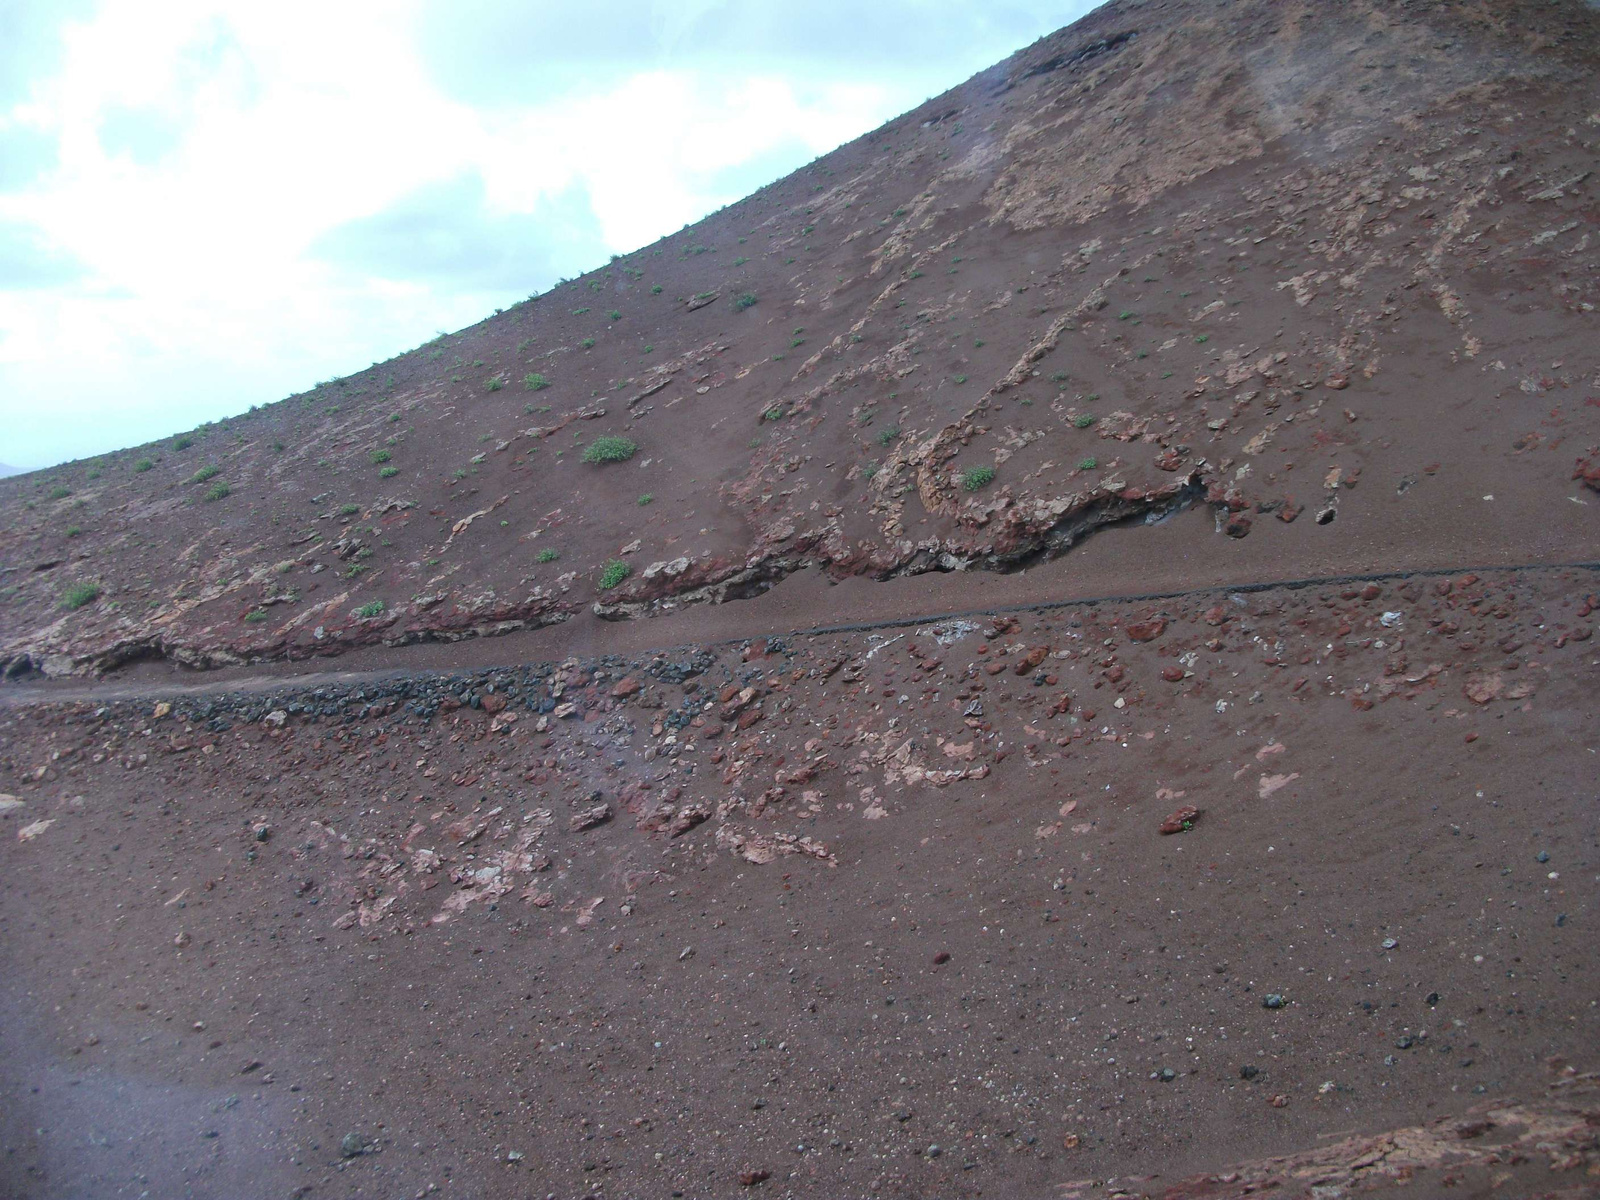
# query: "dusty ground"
[[876, 836], [378, 910]]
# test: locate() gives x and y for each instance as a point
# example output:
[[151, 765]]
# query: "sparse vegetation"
[[144, 464], [744, 300], [1083, 420], [60, 492], [182, 443], [256, 615], [219, 491], [610, 449], [496, 383], [587, 343], [974, 478], [380, 456], [388, 472], [211, 471], [371, 609], [349, 510], [615, 572], [615, 314], [655, 290], [536, 382], [547, 555], [80, 594], [645, 499], [1089, 464], [885, 436]]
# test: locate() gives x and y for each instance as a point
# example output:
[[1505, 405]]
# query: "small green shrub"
[[388, 472], [256, 616], [1089, 464], [615, 314], [615, 572], [381, 456], [59, 492], [656, 290], [496, 383], [370, 610], [610, 449], [219, 491], [974, 478], [744, 300], [144, 464], [182, 443], [547, 555], [1083, 420], [74, 530], [885, 436], [80, 594], [961, 378], [645, 499], [772, 414], [349, 510], [205, 473], [536, 382], [1202, 339], [587, 343]]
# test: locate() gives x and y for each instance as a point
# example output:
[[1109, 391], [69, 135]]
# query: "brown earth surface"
[[1332, 265], [875, 836]]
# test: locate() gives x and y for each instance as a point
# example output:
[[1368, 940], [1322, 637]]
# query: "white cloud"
[[208, 150]]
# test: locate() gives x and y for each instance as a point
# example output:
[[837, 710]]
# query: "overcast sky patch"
[[210, 204]]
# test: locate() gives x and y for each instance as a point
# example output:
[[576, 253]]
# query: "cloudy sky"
[[209, 204]]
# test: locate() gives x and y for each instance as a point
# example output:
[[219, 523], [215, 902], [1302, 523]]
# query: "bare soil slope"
[[1330, 269], [1250, 847]]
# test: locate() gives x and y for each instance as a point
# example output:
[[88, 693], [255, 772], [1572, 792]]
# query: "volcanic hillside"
[[837, 817], [1329, 269]]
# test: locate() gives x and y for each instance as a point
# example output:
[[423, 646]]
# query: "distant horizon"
[[288, 212]]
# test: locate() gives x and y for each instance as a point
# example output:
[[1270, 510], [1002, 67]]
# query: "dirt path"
[[735, 623]]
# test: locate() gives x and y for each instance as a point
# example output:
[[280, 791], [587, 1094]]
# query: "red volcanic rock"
[[1032, 659], [1147, 631], [1180, 820], [1587, 470]]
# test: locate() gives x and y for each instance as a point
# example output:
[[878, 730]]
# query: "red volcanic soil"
[[815, 906], [1204, 803], [1328, 271]]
